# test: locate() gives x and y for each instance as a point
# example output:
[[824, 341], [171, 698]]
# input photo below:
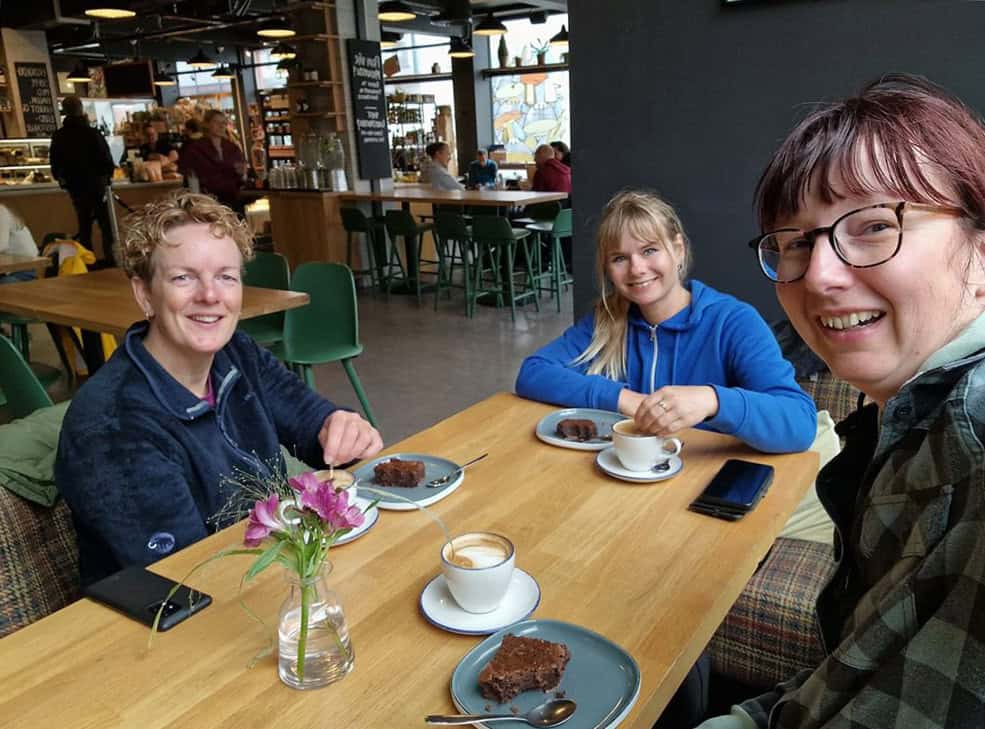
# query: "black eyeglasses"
[[862, 238]]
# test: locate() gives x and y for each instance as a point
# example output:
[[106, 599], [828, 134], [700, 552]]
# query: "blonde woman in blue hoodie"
[[669, 352]]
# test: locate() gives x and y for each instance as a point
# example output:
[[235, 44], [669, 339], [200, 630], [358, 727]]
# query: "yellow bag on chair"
[[74, 259]]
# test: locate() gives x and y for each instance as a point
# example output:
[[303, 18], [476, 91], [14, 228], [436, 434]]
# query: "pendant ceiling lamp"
[[164, 79], [389, 39], [224, 72], [200, 60], [394, 11], [79, 74], [460, 48], [560, 40], [283, 52], [276, 28], [108, 9], [490, 26]]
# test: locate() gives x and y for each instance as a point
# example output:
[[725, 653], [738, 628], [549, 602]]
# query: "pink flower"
[[263, 520], [305, 482], [331, 506]]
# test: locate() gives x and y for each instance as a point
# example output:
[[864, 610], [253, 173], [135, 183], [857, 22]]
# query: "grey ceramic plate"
[[603, 419], [601, 677], [434, 467]]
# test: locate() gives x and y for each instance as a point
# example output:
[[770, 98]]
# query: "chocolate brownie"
[[399, 473], [577, 428], [521, 664]]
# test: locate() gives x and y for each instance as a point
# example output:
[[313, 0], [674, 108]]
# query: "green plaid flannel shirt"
[[903, 617]]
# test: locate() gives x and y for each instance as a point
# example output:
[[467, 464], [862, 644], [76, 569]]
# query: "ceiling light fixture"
[[276, 28], [224, 72], [490, 26], [201, 61], [109, 9], [79, 74], [389, 39], [538, 17], [394, 11], [164, 79], [283, 52], [460, 48], [560, 39]]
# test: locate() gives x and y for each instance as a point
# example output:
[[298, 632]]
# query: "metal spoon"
[[550, 713], [662, 466], [435, 483]]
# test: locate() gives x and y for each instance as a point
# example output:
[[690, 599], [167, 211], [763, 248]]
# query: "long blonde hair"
[[646, 217]]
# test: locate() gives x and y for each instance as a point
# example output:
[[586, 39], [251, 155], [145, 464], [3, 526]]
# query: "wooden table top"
[[10, 263], [625, 560], [103, 301], [493, 198]]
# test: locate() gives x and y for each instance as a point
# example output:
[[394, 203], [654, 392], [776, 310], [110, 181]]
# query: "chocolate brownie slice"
[[521, 664], [399, 473], [580, 429]]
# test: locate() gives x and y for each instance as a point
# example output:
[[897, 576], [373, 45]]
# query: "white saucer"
[[440, 609], [368, 523], [609, 463]]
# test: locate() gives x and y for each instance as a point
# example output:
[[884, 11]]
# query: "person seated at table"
[[874, 209], [186, 400], [551, 174], [441, 179], [668, 352], [562, 152], [156, 148], [482, 170], [15, 239]]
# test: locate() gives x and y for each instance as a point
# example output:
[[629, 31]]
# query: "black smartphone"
[[138, 594], [735, 490]]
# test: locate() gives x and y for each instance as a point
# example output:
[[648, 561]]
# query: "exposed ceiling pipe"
[[171, 32]]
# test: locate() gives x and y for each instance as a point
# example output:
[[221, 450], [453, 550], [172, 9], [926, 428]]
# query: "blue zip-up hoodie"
[[716, 340], [139, 454]]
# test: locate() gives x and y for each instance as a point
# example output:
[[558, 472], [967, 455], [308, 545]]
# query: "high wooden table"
[[10, 263], [490, 198], [102, 301], [625, 560]]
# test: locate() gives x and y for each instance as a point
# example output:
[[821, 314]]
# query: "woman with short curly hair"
[[186, 400]]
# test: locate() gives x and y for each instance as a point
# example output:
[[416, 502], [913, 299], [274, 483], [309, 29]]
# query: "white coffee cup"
[[341, 480], [478, 567], [639, 451]]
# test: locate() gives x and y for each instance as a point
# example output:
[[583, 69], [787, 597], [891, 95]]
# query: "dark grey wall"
[[690, 97]]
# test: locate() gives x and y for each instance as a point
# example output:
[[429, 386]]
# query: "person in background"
[[551, 174], [81, 162], [191, 132], [216, 162], [441, 178], [874, 216], [562, 153], [482, 170], [186, 401], [668, 352], [155, 148], [15, 239]]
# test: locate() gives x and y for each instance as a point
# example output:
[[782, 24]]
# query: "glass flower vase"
[[313, 644]]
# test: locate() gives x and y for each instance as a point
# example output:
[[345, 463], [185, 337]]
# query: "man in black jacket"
[[81, 162]]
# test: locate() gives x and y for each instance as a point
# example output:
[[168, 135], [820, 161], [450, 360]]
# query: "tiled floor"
[[418, 366]]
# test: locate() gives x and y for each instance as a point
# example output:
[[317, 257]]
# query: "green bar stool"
[[401, 224], [492, 231], [558, 276], [267, 271], [355, 222], [327, 328], [454, 237]]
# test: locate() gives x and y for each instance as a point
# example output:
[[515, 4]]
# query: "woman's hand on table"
[[671, 409], [345, 436]]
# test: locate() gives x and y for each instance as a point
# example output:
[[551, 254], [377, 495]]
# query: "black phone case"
[[138, 594], [722, 509], [717, 511]]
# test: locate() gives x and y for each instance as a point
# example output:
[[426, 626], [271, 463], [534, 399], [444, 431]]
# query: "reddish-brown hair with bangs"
[[904, 127]]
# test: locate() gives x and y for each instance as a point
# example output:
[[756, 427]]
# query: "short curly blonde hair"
[[148, 228]]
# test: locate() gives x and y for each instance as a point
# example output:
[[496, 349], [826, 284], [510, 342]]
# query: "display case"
[[24, 161], [278, 139], [410, 121]]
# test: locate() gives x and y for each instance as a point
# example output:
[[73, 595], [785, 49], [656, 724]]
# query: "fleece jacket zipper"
[[656, 353]]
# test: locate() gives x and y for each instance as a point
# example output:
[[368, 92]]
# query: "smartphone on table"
[[138, 594], [735, 490]]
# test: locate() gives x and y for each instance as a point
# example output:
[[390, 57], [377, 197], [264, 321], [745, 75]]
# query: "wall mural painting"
[[530, 109]]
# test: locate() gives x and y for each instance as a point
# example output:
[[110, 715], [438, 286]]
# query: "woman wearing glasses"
[[875, 210], [668, 352]]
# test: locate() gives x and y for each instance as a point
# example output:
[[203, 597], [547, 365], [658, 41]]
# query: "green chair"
[[537, 213], [23, 390], [454, 238], [18, 324], [327, 329], [401, 224], [495, 232], [266, 271], [557, 276], [356, 223]]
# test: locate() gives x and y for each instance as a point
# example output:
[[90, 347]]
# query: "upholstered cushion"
[[831, 394], [39, 561], [771, 631]]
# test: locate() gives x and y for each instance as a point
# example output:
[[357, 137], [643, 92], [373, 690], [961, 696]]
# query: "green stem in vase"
[[306, 590]]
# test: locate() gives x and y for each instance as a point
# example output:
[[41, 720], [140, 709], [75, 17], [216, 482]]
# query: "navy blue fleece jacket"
[[139, 454], [716, 340]]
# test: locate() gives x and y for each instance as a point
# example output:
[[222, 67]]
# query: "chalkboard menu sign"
[[37, 103], [369, 109]]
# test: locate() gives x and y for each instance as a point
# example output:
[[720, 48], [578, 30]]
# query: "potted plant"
[[503, 52], [540, 48]]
